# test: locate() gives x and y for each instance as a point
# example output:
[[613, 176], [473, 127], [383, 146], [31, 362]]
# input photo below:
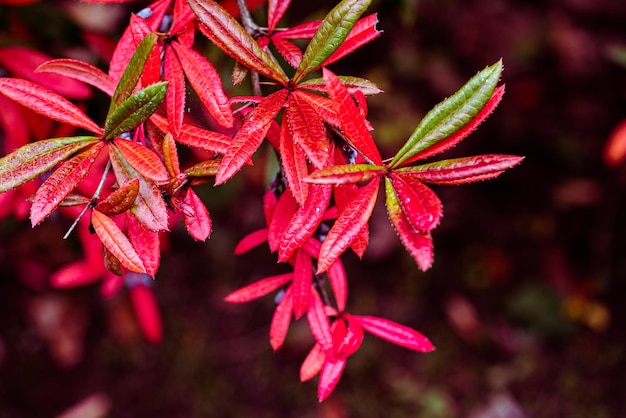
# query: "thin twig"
[[91, 204]]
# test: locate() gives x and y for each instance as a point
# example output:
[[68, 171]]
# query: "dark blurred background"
[[525, 301]]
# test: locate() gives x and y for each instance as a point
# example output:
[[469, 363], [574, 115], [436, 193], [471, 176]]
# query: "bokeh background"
[[525, 301]]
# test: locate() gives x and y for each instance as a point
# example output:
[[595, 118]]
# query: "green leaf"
[[330, 34], [135, 110], [353, 84], [452, 114], [133, 71], [36, 158]]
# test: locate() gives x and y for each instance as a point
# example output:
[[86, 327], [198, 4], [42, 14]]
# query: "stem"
[[253, 29], [246, 18], [94, 198]]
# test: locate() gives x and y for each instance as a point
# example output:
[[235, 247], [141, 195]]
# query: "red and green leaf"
[[250, 136], [352, 84], [46, 102], [330, 35], [363, 32], [34, 159], [132, 74], [225, 32], [61, 182], [346, 174], [116, 242], [451, 115], [348, 225], [462, 170]]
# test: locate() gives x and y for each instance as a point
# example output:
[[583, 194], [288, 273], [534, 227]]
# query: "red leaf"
[[323, 106], [419, 244], [259, 288], [346, 174], [329, 377], [175, 96], [147, 243], [61, 182], [78, 273], [290, 52], [152, 68], [116, 242], [149, 207], [196, 216], [275, 11], [312, 364], [307, 130], [170, 155], [395, 333], [206, 82], [281, 217], [23, 62], [223, 30], [462, 170], [120, 200], [319, 324], [47, 103], [250, 136], [302, 282], [281, 320], [36, 158], [305, 221], [295, 166], [195, 137], [250, 241], [147, 311], [81, 71], [352, 122], [348, 225], [363, 32], [347, 336], [420, 205], [462, 133], [302, 31], [339, 284], [343, 196], [142, 159]]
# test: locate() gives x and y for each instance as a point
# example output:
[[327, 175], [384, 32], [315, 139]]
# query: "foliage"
[[124, 183]]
